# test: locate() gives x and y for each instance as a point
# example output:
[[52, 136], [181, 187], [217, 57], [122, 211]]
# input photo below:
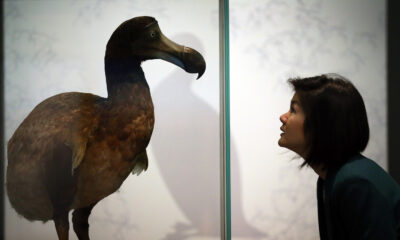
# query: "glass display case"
[[53, 47], [215, 170]]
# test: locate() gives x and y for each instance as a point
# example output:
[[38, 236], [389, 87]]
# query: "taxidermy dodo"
[[75, 149]]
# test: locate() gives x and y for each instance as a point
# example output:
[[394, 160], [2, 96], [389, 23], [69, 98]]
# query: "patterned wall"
[[271, 41], [58, 46]]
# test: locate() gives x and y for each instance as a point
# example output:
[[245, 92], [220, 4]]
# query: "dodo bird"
[[75, 149]]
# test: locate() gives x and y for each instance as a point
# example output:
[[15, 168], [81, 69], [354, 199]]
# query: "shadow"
[[186, 146]]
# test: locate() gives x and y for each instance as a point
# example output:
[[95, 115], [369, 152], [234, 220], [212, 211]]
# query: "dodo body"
[[74, 148], [110, 136]]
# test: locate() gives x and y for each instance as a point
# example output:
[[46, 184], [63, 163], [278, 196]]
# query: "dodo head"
[[140, 38]]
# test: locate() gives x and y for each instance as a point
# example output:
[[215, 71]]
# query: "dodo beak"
[[185, 57], [193, 61]]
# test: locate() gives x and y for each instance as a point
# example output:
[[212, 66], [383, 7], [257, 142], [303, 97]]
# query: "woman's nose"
[[283, 118]]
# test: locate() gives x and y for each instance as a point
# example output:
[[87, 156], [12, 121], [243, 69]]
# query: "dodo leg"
[[80, 222], [62, 225], [61, 186]]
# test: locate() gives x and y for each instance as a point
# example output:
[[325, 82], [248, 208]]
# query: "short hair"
[[336, 124]]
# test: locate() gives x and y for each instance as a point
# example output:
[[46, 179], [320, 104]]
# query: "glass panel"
[[271, 41], [54, 47]]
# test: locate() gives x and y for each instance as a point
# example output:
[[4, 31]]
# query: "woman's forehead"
[[295, 98]]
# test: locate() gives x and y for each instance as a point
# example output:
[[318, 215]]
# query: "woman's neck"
[[320, 171]]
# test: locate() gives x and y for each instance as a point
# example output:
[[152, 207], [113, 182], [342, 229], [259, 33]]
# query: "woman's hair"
[[336, 125]]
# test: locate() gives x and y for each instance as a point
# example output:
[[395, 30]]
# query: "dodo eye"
[[152, 34]]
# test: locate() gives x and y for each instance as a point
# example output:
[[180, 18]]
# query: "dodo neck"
[[122, 72]]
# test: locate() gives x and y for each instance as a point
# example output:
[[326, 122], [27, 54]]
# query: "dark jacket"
[[358, 201]]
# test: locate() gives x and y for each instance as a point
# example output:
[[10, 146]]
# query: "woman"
[[327, 126]]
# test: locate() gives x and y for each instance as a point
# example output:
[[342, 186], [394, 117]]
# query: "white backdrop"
[[272, 40], [58, 46]]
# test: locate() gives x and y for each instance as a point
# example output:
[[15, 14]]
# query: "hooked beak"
[[186, 58], [193, 61]]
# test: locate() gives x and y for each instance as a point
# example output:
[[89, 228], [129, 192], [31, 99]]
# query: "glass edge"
[[2, 160], [225, 120], [2, 109]]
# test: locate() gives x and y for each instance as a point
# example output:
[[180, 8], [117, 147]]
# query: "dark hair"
[[336, 124]]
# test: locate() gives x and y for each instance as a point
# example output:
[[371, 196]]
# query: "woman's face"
[[292, 127]]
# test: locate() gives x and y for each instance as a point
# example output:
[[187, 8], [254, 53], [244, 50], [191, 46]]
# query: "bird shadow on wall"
[[186, 146]]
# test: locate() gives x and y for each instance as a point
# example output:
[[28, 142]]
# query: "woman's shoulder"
[[362, 172], [361, 167]]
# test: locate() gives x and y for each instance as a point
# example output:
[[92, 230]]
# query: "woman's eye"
[[292, 110]]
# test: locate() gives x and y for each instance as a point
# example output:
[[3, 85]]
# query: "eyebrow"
[[294, 102]]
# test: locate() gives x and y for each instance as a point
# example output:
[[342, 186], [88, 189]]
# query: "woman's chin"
[[281, 142]]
